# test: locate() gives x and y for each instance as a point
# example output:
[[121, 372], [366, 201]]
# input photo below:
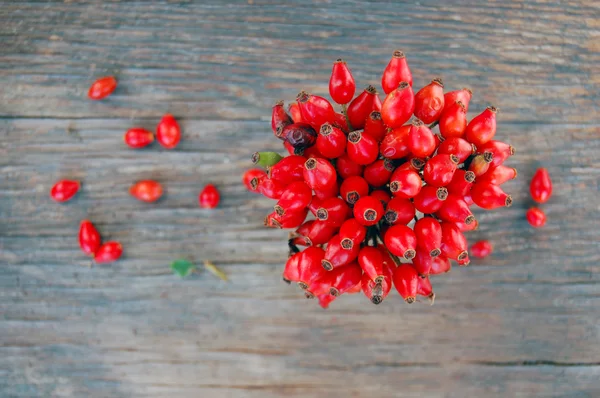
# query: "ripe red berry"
[[341, 122], [291, 270], [309, 266], [337, 255], [64, 190], [368, 210], [313, 232], [396, 71], [352, 233], [288, 169], [296, 197], [458, 147], [429, 235], [288, 220], [395, 143], [325, 300], [500, 150], [294, 111], [455, 209], [331, 141], [421, 140], [315, 110], [541, 186], [371, 261], [146, 191], [341, 83], [168, 132], [89, 238], [344, 278], [102, 88], [429, 101], [374, 126], [463, 96], [377, 291], [354, 188], [425, 289], [398, 106], [268, 187], [406, 281], [482, 128], [430, 199], [138, 137], [108, 252], [453, 121], [399, 211], [378, 173], [536, 217], [440, 265], [481, 163], [382, 196], [461, 182], [209, 197], [319, 174], [481, 249], [405, 183], [489, 196], [329, 192], [362, 148], [454, 244], [279, 119], [439, 170], [249, 175], [334, 211], [422, 262], [346, 167], [361, 106], [401, 241], [498, 175]]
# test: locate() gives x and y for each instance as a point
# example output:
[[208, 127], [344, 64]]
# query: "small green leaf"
[[182, 267]]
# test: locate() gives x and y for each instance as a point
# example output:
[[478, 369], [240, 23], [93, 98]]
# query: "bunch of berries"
[[390, 198]]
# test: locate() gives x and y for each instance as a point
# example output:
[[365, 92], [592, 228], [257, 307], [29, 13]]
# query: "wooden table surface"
[[524, 322]]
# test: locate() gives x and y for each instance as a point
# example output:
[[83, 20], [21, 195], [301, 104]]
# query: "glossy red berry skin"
[[319, 174], [439, 170], [481, 249], [422, 262], [425, 289], [337, 255], [341, 122], [288, 220], [138, 137], [541, 186], [482, 128], [279, 119], [352, 233], [334, 211], [429, 102], [498, 175], [398, 106], [371, 261], [296, 197], [341, 83], [536, 217], [406, 281], [401, 241], [362, 148], [249, 175], [463, 96], [453, 121], [430, 199], [108, 252], [455, 209], [368, 211], [500, 151], [345, 278], [421, 140], [429, 235], [489, 196], [459, 147], [89, 238], [209, 197], [64, 190], [288, 169], [147, 191], [461, 183], [332, 191], [396, 71], [353, 188], [315, 110], [295, 114], [268, 187], [440, 265], [346, 167], [314, 232], [168, 133], [331, 141], [395, 143], [382, 196], [399, 211], [309, 266], [378, 173], [454, 244], [374, 126], [361, 106], [102, 88], [405, 183], [325, 300], [291, 270]]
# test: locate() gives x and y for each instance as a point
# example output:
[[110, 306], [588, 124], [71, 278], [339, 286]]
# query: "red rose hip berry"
[[89, 238], [209, 197], [108, 252], [64, 190], [102, 88], [168, 133], [481, 249], [341, 83], [429, 101], [536, 217], [146, 191], [368, 211], [398, 106], [138, 137], [541, 186], [396, 71]]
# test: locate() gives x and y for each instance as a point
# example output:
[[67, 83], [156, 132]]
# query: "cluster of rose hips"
[[168, 134], [390, 198]]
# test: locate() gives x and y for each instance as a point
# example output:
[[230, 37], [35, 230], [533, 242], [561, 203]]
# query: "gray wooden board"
[[523, 322]]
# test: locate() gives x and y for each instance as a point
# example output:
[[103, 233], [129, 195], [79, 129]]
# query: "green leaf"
[[182, 267]]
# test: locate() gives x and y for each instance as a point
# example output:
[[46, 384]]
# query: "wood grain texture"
[[521, 323]]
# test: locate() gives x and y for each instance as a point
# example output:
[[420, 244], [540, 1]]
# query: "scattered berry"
[[102, 88], [481, 249], [168, 132], [64, 190], [146, 191], [209, 197], [536, 217], [541, 186], [89, 238], [108, 252]]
